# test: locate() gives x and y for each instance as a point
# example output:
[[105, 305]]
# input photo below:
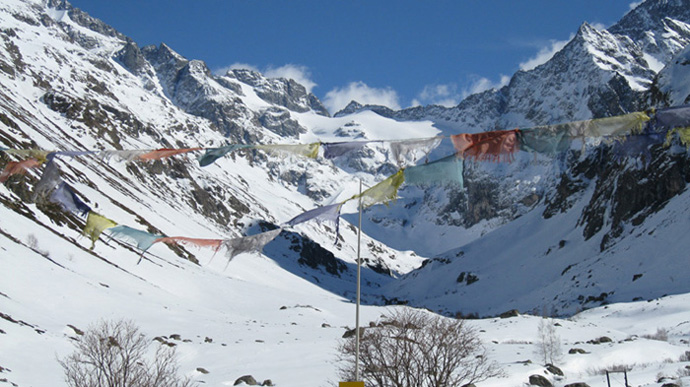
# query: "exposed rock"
[[600, 340], [132, 58], [510, 313], [539, 380], [351, 333], [554, 370], [279, 122], [246, 379]]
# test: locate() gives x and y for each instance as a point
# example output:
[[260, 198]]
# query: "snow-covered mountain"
[[536, 234]]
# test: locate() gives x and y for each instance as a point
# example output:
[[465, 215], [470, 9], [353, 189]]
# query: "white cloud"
[[634, 5], [235, 66], [443, 94], [300, 74], [544, 54], [481, 84], [338, 98]]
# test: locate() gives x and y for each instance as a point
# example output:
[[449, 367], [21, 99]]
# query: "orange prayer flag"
[[165, 152], [487, 146], [18, 167], [212, 243]]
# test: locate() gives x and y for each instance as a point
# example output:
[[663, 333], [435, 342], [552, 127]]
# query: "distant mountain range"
[[565, 233]]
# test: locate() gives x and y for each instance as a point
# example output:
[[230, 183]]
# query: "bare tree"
[[113, 354], [416, 348], [548, 343]]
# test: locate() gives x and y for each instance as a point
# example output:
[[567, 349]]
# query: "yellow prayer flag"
[[306, 150], [351, 384], [95, 224], [683, 136], [624, 125], [38, 154], [384, 191]]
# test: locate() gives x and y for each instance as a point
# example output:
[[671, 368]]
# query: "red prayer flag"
[[165, 152], [487, 146], [15, 167], [212, 243]]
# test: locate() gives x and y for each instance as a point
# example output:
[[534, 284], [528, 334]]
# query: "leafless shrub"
[[660, 335], [414, 348], [612, 368], [685, 356], [113, 354], [548, 345]]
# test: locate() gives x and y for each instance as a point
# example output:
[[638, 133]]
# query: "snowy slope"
[[71, 82]]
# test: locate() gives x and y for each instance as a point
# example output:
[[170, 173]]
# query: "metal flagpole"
[[359, 273]]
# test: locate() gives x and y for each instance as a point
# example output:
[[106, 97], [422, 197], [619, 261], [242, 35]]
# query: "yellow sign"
[[351, 384]]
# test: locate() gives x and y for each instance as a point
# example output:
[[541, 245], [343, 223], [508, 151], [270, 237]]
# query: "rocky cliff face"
[[71, 82]]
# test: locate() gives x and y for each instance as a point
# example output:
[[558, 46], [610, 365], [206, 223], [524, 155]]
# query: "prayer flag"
[[212, 243], [549, 140], [332, 150], [143, 239], [306, 150], [487, 146], [408, 149], [384, 191], [330, 213], [213, 154], [446, 170], [38, 154], [626, 124], [68, 200], [674, 117], [636, 145], [18, 167], [683, 136], [124, 155], [48, 182], [249, 243], [164, 153], [326, 213], [95, 224]]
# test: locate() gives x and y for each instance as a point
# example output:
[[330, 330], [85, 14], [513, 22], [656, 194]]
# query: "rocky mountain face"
[[72, 82], [639, 63]]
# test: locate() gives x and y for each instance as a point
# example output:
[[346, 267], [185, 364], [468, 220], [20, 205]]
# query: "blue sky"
[[397, 53]]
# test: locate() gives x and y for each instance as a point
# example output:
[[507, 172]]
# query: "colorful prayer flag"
[[213, 154], [50, 180], [332, 150], [124, 155], [164, 153], [199, 242], [95, 224], [384, 191], [38, 154], [248, 244], [307, 150], [68, 200], [446, 170], [18, 167], [143, 239], [549, 140], [404, 150], [674, 117], [487, 146]]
